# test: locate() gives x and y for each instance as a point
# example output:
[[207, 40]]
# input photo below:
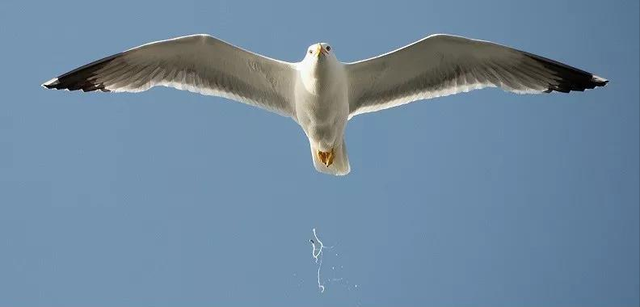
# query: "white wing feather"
[[441, 65], [196, 63]]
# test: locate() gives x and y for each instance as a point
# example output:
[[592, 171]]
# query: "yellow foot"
[[326, 157]]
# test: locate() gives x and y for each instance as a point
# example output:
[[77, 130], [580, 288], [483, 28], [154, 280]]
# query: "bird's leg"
[[326, 157]]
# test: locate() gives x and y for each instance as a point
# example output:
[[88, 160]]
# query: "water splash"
[[316, 252]]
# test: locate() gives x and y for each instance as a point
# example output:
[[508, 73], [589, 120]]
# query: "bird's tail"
[[340, 165]]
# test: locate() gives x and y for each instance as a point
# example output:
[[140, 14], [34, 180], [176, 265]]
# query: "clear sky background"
[[169, 198]]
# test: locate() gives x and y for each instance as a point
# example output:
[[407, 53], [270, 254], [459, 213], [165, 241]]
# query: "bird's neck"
[[319, 76]]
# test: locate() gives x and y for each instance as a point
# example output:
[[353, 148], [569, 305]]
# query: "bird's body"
[[321, 93], [322, 102], [322, 106]]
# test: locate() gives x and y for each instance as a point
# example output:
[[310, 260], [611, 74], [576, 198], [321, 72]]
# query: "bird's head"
[[319, 52], [319, 60]]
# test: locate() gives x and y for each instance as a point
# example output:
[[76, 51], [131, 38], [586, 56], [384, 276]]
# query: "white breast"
[[321, 100]]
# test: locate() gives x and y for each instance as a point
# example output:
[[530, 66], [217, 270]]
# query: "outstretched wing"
[[441, 65], [196, 63]]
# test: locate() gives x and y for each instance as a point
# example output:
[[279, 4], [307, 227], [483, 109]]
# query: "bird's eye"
[[328, 48], [310, 51]]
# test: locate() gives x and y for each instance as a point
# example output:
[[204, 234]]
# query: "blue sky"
[[168, 198]]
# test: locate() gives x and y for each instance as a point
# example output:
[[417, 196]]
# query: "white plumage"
[[320, 93]]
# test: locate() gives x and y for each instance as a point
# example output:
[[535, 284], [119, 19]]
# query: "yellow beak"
[[319, 50]]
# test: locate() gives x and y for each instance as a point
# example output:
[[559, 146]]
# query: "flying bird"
[[321, 93]]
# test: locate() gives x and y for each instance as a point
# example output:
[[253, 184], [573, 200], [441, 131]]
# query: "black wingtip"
[[81, 78], [569, 78], [51, 84], [599, 81]]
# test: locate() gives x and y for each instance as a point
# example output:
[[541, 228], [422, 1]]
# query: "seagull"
[[320, 93]]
